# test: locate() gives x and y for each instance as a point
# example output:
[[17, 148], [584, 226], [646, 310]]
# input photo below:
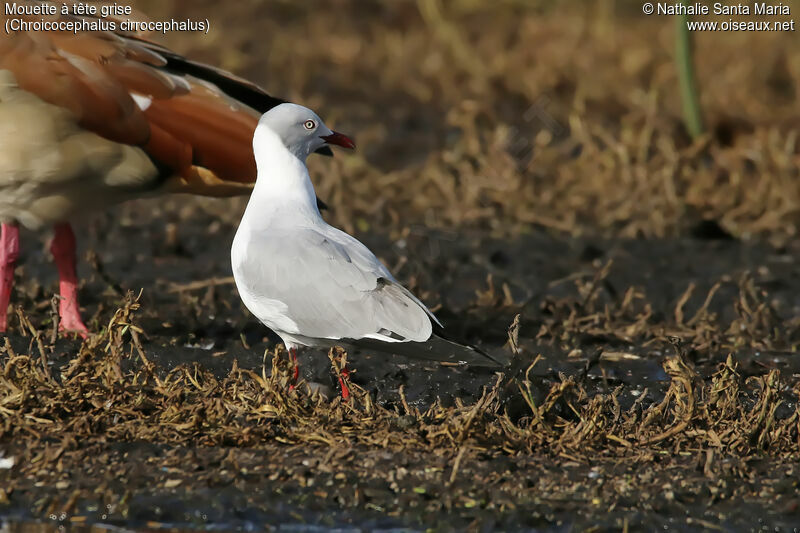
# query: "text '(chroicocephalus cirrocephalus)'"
[[313, 284]]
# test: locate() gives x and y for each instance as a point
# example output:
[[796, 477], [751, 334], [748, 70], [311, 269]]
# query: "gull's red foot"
[[296, 371], [9, 251], [344, 378], [338, 358], [63, 250]]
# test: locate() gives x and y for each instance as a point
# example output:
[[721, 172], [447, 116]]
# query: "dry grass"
[[64, 418], [109, 389]]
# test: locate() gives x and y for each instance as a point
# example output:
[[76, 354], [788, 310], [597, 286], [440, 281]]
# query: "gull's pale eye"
[[309, 124]]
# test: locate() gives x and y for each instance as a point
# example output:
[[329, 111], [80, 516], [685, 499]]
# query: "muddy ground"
[[208, 445], [522, 159]]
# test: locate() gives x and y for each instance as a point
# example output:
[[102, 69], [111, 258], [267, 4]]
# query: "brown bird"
[[91, 119]]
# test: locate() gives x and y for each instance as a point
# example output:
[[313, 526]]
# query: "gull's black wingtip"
[[437, 348], [438, 332], [479, 351]]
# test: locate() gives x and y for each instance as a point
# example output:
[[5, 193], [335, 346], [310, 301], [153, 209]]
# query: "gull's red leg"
[[344, 376], [296, 371], [63, 250], [9, 251]]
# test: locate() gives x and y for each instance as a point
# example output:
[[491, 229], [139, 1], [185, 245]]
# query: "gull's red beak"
[[339, 139]]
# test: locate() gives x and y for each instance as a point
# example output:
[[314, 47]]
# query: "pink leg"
[[296, 373], [63, 249], [9, 251]]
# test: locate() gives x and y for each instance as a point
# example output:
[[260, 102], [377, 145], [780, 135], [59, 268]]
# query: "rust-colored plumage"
[[187, 120], [94, 118]]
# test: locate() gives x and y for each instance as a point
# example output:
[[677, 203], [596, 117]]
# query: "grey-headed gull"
[[311, 283], [90, 119]]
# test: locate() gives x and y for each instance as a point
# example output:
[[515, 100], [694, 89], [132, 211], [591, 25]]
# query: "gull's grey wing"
[[324, 284]]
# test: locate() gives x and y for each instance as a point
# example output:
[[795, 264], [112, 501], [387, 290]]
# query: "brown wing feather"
[[169, 150], [190, 126], [68, 80], [220, 137]]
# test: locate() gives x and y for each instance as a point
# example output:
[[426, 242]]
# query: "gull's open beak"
[[339, 139]]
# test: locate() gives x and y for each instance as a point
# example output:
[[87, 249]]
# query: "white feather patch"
[[143, 102]]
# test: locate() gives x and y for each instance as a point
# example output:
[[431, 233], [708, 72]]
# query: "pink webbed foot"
[[9, 252], [63, 250]]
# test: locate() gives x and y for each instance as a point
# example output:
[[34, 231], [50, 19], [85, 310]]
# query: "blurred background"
[[515, 115]]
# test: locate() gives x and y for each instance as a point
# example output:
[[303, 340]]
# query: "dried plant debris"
[[105, 426]]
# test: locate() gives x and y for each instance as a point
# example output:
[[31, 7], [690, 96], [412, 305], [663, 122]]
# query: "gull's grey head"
[[300, 130]]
